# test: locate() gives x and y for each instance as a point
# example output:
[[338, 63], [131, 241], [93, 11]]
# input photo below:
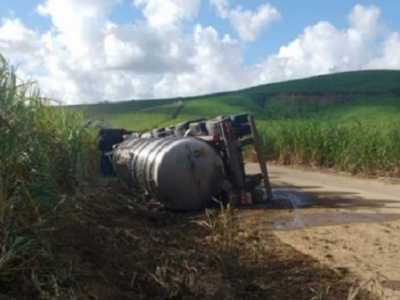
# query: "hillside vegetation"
[[346, 121]]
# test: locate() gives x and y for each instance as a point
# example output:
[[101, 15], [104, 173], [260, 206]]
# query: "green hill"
[[348, 95], [348, 121]]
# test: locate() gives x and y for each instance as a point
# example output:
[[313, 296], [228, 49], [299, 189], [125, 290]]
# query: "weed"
[[321, 294], [371, 284], [223, 226]]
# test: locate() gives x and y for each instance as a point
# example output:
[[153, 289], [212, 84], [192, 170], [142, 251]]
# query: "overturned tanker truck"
[[186, 165]]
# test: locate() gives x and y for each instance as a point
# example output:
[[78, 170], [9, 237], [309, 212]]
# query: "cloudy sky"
[[85, 51]]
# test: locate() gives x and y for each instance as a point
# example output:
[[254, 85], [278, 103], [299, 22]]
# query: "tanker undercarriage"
[[186, 166]]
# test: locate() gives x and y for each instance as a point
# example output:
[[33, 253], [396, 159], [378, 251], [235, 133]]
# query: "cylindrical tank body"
[[183, 173]]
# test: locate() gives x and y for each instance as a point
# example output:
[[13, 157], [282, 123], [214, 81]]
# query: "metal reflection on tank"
[[184, 173]]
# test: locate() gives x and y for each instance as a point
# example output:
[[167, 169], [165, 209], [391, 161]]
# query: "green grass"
[[353, 147], [46, 157]]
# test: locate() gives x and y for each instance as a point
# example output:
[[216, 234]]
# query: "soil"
[[112, 251], [107, 248], [344, 222]]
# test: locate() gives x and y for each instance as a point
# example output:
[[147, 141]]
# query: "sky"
[[87, 51]]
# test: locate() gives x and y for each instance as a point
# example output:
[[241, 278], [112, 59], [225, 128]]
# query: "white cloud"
[[389, 59], [16, 38], [222, 7], [322, 48], [81, 34], [91, 53], [365, 20], [217, 62], [93, 59], [161, 13], [248, 24], [146, 50]]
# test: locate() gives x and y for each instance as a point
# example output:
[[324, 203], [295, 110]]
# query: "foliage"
[[46, 155], [353, 147]]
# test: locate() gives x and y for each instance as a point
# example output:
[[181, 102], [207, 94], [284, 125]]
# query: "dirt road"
[[343, 222]]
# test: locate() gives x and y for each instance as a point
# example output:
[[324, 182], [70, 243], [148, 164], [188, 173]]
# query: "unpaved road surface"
[[343, 222]]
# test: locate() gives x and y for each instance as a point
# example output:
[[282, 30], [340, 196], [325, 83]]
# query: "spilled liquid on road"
[[283, 212], [306, 213], [284, 196]]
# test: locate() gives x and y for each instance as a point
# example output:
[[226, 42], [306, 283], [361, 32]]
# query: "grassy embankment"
[[66, 233], [347, 121]]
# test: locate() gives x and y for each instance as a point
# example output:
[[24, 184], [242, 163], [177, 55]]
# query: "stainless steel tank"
[[183, 173]]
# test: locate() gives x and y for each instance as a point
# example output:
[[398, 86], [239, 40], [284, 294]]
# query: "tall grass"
[[46, 155], [372, 149]]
